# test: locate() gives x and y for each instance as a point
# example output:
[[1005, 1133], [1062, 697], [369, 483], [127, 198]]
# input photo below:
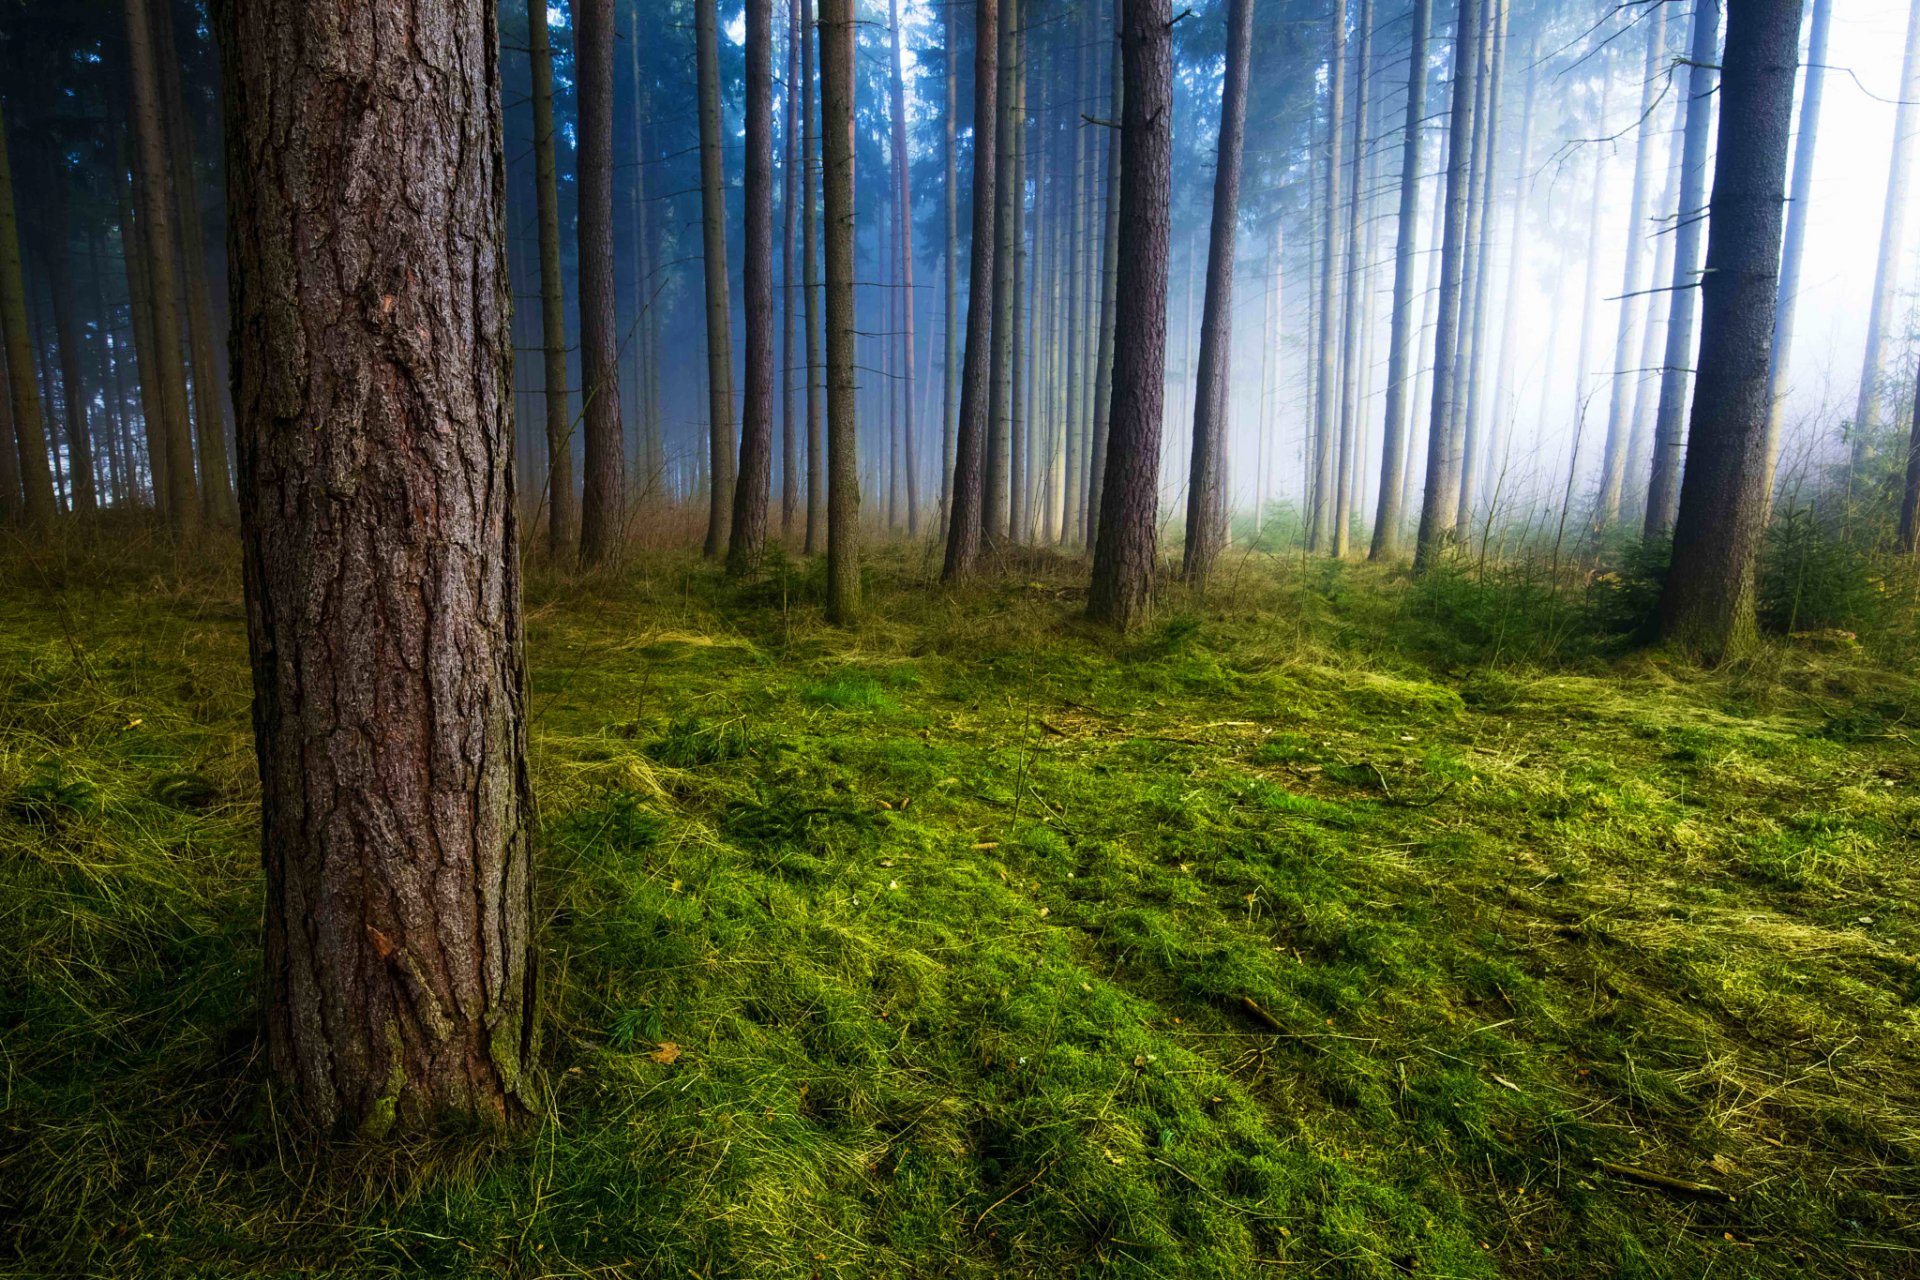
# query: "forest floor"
[[1296, 935]]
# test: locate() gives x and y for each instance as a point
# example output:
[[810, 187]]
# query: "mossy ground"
[[954, 920]]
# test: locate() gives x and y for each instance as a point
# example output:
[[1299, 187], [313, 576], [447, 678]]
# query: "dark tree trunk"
[[1707, 604], [1109, 293], [903, 215], [603, 488], [810, 248], [1910, 493], [1401, 339], [1005, 227], [1668, 442], [373, 384], [140, 320], [713, 233], [950, 366], [1019, 366], [12, 508], [966, 508], [789, 296], [1206, 487], [82, 500], [646, 341], [752, 492], [1350, 338], [1893, 217], [1124, 557], [1441, 499], [1799, 207], [562, 515], [156, 218], [837, 48]]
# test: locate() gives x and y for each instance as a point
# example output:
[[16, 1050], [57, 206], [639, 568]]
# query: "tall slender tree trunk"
[[1401, 339], [646, 268], [1326, 409], [562, 514], [950, 366], [66, 340], [1583, 396], [1019, 365], [373, 388], [1483, 223], [12, 504], [754, 484], [140, 320], [1893, 220], [1799, 208], [1441, 500], [713, 230], [1125, 555], [1355, 307], [1652, 343], [837, 48], [1004, 229], [1505, 398], [1206, 486], [1707, 603], [603, 488], [790, 193], [966, 511], [1073, 459], [810, 280], [1109, 290], [1909, 534], [903, 214], [149, 129], [209, 408]]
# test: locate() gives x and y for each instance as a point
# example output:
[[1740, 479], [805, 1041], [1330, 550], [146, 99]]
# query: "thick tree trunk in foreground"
[[372, 385], [713, 239], [1799, 207], [1124, 557], [967, 505], [156, 218], [603, 454], [1206, 487], [1664, 486], [1893, 218], [810, 247], [562, 515], [1402, 345], [1109, 293], [837, 48], [751, 494], [1441, 499], [1708, 601]]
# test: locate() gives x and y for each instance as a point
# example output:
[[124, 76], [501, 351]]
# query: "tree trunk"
[[1799, 208], [1441, 499], [790, 192], [1886, 276], [1590, 290], [1321, 496], [1073, 459], [1482, 224], [1652, 343], [1019, 365], [968, 501], [373, 389], [1206, 486], [1910, 494], [903, 214], [140, 320], [754, 483], [1707, 604], [1664, 486], [995, 512], [12, 505], [1109, 292], [82, 499], [810, 278], [209, 409], [713, 230], [837, 48], [149, 129], [1400, 352], [562, 515], [646, 340], [950, 367], [603, 453], [1355, 308], [1125, 554]]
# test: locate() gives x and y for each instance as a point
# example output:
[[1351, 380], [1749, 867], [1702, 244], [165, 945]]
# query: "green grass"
[[954, 923]]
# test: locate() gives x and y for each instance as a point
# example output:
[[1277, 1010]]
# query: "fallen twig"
[[1661, 1181]]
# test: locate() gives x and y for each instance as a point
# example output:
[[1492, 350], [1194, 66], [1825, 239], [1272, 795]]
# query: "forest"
[[980, 638]]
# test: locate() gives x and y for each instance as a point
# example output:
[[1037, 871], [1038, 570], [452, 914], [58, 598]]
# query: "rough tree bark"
[[562, 515], [372, 384], [1893, 219], [1125, 554], [1707, 604], [1005, 226], [713, 235], [1206, 486], [967, 501], [789, 193], [603, 471], [1109, 292], [749, 538], [1664, 486], [810, 278], [837, 49]]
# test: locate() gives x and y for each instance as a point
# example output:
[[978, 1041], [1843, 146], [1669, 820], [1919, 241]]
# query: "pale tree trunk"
[[381, 562], [1109, 292], [1125, 555], [1663, 488], [1505, 398], [156, 218], [1206, 486], [1005, 227], [1652, 343], [790, 192], [1590, 291], [1019, 365], [810, 281], [968, 500], [1326, 337], [562, 514], [1485, 219], [1073, 456], [1401, 354], [754, 483], [713, 233], [1355, 308], [1440, 501], [646, 288], [603, 472], [903, 213], [1613, 459], [950, 370], [1799, 208], [1708, 602], [837, 47], [1893, 218]]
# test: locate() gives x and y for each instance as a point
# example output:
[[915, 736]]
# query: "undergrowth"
[[1333, 924]]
